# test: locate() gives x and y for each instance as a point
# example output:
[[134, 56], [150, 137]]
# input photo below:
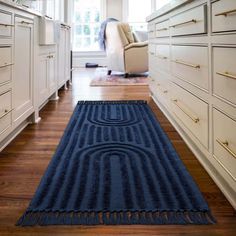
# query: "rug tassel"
[[115, 218]]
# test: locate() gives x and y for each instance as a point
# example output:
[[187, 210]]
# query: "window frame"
[[103, 17]]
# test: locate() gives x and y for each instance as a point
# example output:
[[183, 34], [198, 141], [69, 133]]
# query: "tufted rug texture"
[[115, 165]]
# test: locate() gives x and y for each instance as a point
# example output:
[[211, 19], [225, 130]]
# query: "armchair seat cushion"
[[136, 45]]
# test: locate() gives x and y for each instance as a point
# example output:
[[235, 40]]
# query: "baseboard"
[[81, 61], [13, 134], [211, 170]]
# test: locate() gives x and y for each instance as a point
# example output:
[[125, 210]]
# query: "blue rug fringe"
[[116, 218], [112, 102]]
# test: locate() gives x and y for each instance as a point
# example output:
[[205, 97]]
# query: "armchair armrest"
[[136, 45]]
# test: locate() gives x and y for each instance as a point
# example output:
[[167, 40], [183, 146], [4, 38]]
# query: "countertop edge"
[[167, 8], [22, 8]]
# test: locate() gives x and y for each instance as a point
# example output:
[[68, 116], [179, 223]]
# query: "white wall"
[[114, 9]]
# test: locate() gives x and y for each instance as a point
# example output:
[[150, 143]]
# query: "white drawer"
[[151, 30], [190, 63], [163, 57], [224, 73], [6, 25], [5, 64], [191, 112], [193, 21], [223, 15], [225, 141], [5, 111], [162, 29]]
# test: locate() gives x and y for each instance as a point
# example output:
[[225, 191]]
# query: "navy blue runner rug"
[[115, 165]]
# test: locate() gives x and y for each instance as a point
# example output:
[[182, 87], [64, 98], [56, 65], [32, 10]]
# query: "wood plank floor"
[[24, 161]]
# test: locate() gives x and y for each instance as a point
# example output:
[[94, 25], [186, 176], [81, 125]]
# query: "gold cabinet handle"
[[6, 25], [6, 112], [184, 23], [187, 64], [226, 13], [225, 145], [6, 64], [162, 29], [162, 57], [192, 117], [226, 74], [25, 23]]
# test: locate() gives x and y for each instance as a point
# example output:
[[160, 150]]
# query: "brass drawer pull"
[[162, 29], [184, 23], [226, 74], [6, 112], [5, 65], [25, 23], [225, 13], [225, 145], [6, 25], [162, 57], [187, 64], [192, 117]]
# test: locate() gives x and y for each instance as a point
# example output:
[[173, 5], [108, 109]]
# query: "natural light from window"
[[137, 12], [161, 3], [87, 19]]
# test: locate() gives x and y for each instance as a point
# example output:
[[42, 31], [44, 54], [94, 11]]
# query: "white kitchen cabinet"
[[22, 82], [64, 56], [61, 57], [200, 84], [47, 83]]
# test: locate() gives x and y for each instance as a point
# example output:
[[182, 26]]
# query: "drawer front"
[[151, 30], [190, 63], [225, 141], [5, 24], [151, 49], [162, 29], [224, 73], [192, 112], [163, 57], [5, 64], [223, 15], [5, 111], [193, 21], [6, 56]]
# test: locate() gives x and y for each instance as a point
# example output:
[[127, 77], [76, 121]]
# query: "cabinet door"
[[42, 79], [22, 81], [67, 63], [52, 82], [62, 58]]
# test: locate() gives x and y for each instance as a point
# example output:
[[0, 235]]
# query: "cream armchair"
[[123, 53]]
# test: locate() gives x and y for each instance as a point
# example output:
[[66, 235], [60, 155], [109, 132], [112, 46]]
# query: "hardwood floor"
[[24, 161]]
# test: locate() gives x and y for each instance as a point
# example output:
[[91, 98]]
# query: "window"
[[161, 3], [87, 19], [136, 13]]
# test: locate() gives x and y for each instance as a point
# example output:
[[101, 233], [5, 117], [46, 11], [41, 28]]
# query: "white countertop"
[[26, 9], [167, 8], [17, 6]]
